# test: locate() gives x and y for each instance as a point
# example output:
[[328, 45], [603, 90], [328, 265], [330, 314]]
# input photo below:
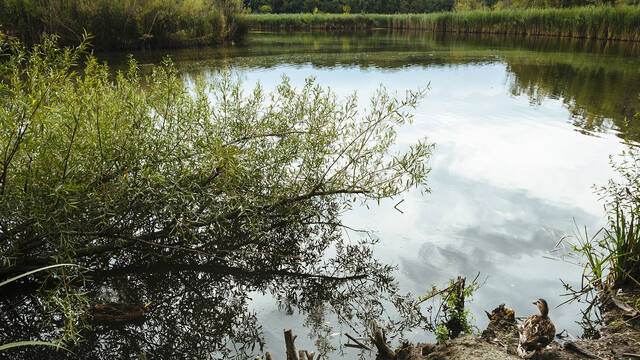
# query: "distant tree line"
[[410, 6]]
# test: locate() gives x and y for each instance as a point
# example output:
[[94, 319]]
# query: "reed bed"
[[610, 23], [124, 24]]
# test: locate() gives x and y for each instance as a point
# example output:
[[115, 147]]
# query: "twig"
[[448, 288], [212, 253], [357, 342], [396, 206]]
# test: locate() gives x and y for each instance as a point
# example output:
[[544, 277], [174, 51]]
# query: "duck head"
[[543, 307]]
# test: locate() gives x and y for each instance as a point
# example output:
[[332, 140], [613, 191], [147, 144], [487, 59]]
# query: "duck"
[[116, 313], [536, 332]]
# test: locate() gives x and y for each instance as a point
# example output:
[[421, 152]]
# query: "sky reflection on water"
[[519, 148], [509, 178]]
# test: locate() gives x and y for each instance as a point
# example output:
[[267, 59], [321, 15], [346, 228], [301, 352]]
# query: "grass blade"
[[33, 272], [30, 343]]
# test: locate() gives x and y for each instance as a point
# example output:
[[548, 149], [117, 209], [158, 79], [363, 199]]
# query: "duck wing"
[[536, 332]]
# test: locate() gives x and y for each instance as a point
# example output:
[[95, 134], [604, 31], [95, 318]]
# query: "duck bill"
[[535, 303]]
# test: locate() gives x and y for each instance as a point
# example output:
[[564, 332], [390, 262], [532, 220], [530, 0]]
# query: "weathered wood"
[[628, 310], [305, 355], [289, 340], [380, 341], [572, 346]]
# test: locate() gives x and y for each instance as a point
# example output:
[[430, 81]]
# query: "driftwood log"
[[292, 354], [379, 339], [289, 340]]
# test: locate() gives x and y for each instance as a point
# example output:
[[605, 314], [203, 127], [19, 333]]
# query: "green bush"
[[122, 24], [112, 171], [265, 9]]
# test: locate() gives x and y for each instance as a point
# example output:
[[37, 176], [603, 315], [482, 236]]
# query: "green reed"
[[622, 243], [613, 254], [614, 23], [124, 24]]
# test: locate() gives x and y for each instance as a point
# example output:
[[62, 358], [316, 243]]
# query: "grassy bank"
[[123, 24], [619, 23]]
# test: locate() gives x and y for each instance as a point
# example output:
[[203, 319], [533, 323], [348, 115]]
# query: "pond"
[[523, 128]]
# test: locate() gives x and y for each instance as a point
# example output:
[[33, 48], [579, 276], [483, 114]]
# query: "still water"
[[523, 128]]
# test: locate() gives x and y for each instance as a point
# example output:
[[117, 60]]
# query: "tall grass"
[[622, 243], [124, 24], [611, 23], [613, 254]]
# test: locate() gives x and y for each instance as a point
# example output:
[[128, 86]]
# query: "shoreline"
[[618, 338], [598, 23]]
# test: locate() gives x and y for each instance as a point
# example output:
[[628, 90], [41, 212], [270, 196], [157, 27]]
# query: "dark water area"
[[523, 128]]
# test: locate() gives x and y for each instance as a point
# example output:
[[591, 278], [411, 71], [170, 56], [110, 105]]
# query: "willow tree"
[[111, 171]]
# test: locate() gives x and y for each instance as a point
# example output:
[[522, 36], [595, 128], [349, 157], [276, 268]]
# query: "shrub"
[[112, 171], [122, 24], [265, 9]]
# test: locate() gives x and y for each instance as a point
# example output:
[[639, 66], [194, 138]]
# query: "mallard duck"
[[116, 313], [536, 331]]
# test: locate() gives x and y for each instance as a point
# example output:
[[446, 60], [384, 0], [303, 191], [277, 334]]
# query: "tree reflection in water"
[[199, 308]]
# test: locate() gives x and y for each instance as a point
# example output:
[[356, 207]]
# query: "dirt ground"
[[619, 339]]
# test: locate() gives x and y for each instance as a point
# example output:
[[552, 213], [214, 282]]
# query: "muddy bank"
[[619, 338]]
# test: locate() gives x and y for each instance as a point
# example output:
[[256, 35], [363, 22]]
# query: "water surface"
[[523, 128]]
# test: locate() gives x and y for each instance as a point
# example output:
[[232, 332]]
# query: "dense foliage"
[[412, 6], [92, 166], [619, 23], [353, 6], [123, 24], [116, 173]]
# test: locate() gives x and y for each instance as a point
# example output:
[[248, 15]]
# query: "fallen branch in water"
[[292, 354], [379, 339], [358, 344], [216, 268]]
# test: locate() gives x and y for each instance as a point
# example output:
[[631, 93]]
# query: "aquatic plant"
[[613, 23], [451, 316], [620, 245], [122, 24], [611, 256]]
